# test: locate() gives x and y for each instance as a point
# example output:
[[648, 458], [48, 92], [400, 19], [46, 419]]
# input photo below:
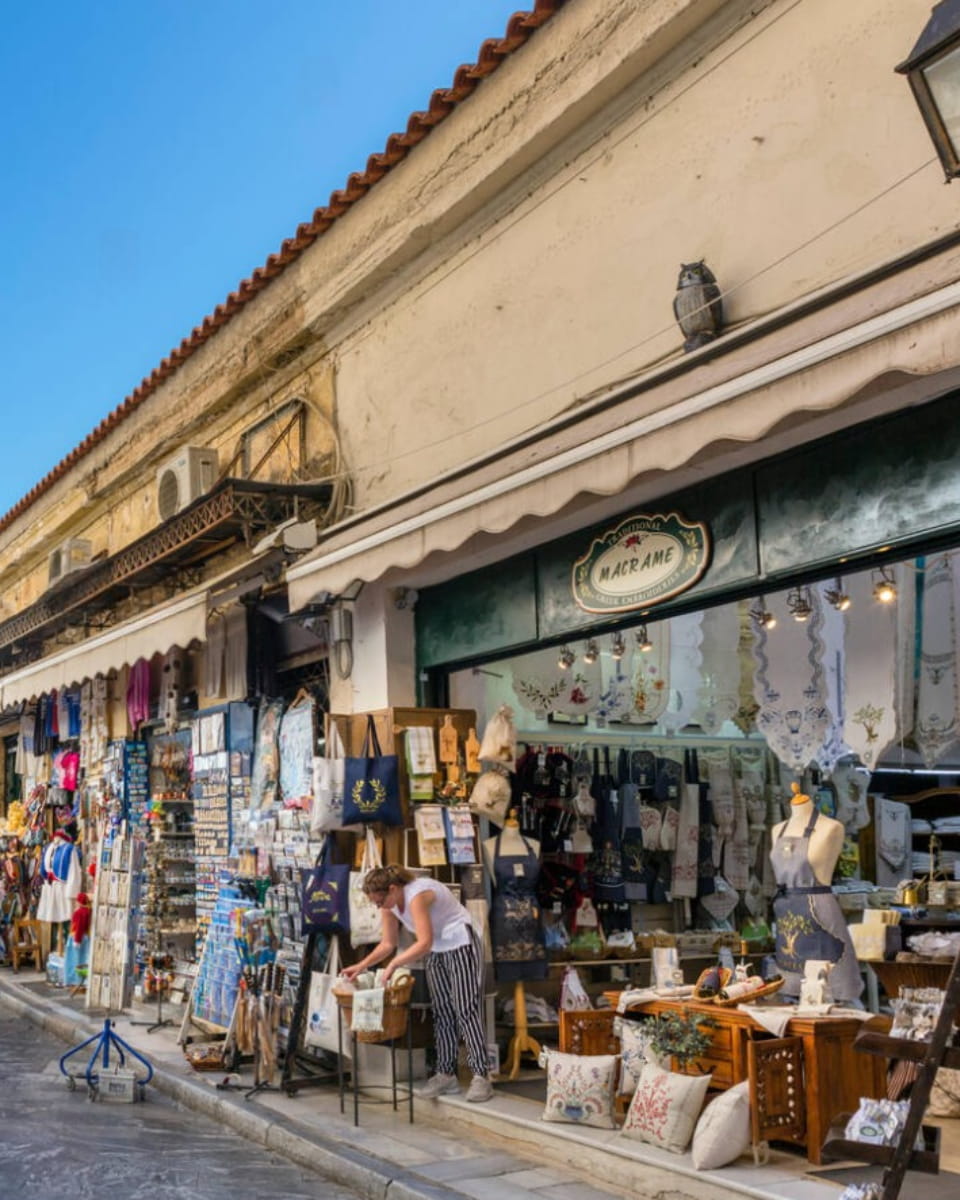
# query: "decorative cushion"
[[723, 1131], [665, 1107], [635, 1051], [580, 1089]]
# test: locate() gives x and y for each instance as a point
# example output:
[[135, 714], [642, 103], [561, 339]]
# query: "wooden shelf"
[[837, 1147], [902, 1048]]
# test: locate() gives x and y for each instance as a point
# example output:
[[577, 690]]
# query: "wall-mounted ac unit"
[[68, 557], [182, 479]]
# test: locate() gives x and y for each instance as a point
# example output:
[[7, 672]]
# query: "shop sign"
[[647, 558]]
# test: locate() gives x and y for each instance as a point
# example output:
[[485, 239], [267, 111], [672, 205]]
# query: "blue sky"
[[153, 153]]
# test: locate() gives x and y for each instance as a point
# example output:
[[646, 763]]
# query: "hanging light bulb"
[[643, 642], [618, 647], [762, 616], [885, 588], [837, 596], [567, 659], [591, 652], [799, 603]]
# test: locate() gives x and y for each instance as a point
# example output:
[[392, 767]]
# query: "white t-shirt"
[[449, 920]]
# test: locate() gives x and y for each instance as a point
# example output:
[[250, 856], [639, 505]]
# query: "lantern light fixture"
[[799, 603], [618, 647], [762, 617], [566, 659], [591, 652], [837, 597], [885, 586], [933, 72], [644, 645]]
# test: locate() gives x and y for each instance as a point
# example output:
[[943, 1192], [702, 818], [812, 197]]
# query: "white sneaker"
[[439, 1085], [479, 1090]]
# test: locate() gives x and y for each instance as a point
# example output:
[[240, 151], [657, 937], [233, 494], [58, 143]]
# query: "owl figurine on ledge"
[[697, 305]]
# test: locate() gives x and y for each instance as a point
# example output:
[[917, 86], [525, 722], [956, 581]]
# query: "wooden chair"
[[26, 943]]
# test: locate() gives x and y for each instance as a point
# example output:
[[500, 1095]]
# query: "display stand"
[[102, 1044], [521, 1043], [931, 1055], [294, 1058], [355, 1073], [156, 909]]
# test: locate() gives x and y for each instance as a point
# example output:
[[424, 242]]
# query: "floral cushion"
[[580, 1089], [665, 1107], [723, 1131], [635, 1051]]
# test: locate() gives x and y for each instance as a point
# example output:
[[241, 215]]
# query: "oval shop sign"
[[647, 558]]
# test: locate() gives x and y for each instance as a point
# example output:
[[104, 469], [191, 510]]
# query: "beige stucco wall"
[[784, 156], [525, 255]]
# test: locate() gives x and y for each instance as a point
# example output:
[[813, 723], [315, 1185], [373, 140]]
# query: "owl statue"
[[697, 305]]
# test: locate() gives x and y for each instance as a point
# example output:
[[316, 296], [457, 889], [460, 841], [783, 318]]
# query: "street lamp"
[[933, 69]]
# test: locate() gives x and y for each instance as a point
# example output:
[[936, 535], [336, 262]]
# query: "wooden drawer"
[[720, 1068]]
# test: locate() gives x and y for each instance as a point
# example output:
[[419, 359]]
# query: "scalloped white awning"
[[175, 624], [751, 392]]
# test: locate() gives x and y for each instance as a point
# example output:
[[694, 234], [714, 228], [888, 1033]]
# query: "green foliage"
[[681, 1036]]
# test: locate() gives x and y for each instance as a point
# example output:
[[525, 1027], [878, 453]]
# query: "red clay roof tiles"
[[520, 28]]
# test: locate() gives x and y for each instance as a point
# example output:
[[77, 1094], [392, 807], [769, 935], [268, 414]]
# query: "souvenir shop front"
[[735, 714]]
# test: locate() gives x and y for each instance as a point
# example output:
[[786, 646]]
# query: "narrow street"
[[56, 1142]]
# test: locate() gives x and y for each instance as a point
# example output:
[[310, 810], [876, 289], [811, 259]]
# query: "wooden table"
[[800, 1082]]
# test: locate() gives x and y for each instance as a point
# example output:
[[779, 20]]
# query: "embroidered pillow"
[[665, 1107], [635, 1051], [580, 1089], [723, 1131]]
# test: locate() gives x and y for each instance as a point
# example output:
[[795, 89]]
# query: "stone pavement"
[[499, 1150]]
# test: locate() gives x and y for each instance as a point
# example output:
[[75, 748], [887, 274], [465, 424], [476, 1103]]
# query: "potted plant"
[[682, 1037]]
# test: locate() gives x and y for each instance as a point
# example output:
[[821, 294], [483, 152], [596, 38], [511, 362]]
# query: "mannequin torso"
[[512, 845], [824, 843]]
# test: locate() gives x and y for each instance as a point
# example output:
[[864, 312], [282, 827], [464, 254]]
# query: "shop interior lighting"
[[837, 596], [799, 604], [884, 587], [762, 617], [591, 652], [567, 659], [618, 647], [643, 642]]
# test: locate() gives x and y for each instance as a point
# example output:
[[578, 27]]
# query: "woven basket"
[[767, 990], [396, 1012], [725, 976]]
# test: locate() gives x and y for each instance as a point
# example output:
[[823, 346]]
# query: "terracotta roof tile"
[[520, 27]]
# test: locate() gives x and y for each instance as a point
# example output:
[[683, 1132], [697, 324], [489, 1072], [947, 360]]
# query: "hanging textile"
[[936, 724], [790, 687], [718, 697], [538, 682], [871, 648], [686, 857], [615, 701], [832, 657], [213, 653], [686, 635], [138, 694], [651, 675]]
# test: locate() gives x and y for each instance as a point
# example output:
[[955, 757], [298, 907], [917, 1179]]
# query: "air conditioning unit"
[[182, 479], [73, 554]]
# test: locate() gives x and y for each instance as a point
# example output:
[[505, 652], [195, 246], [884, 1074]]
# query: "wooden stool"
[[26, 943]]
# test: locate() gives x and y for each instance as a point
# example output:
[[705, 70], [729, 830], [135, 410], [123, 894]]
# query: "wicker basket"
[[396, 1012], [725, 976]]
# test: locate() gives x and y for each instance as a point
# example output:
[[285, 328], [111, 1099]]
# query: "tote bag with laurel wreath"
[[371, 784]]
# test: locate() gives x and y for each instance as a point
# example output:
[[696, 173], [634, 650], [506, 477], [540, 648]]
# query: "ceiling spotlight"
[[885, 587], [618, 647], [762, 616], [643, 642], [799, 603], [567, 659], [591, 652], [837, 597]]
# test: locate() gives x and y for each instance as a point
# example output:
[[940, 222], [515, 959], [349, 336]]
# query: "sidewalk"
[[499, 1150]]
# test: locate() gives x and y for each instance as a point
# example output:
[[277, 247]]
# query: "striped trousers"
[[455, 980]]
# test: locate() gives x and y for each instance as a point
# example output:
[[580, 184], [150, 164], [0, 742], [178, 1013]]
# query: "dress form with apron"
[[519, 950], [810, 923]]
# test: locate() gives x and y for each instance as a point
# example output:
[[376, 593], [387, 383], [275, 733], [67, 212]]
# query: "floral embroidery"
[[651, 1106], [580, 1089]]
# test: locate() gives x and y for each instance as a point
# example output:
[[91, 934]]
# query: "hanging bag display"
[[322, 1006], [325, 903], [326, 812], [573, 995], [490, 797], [371, 784], [365, 923]]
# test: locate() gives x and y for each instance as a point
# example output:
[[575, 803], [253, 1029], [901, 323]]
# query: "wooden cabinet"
[[835, 1076]]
